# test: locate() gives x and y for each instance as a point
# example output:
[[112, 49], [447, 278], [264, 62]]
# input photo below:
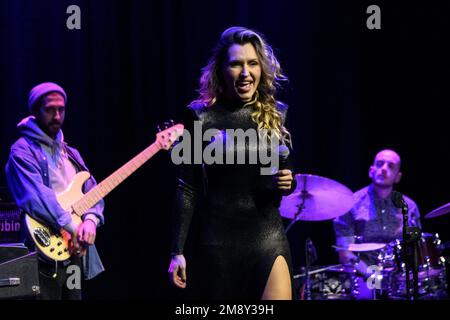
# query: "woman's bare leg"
[[278, 286]]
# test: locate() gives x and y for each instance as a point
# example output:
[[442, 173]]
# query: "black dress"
[[238, 230]]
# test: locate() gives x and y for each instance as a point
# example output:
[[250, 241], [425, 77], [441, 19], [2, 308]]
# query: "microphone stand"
[[411, 236]]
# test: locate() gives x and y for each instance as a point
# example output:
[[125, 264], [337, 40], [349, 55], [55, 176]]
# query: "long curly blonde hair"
[[265, 113]]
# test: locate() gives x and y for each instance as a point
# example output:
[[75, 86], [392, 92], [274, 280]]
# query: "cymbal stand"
[[310, 257], [300, 207]]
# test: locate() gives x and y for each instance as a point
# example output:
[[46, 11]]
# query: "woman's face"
[[242, 72]]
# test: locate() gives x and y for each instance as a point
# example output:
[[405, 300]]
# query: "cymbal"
[[316, 198], [439, 211], [360, 247]]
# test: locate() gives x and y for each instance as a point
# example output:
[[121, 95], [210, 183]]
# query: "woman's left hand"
[[283, 180]]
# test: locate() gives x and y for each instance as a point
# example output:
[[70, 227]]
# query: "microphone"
[[398, 201], [283, 152]]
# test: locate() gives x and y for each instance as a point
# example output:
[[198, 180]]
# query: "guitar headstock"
[[169, 134]]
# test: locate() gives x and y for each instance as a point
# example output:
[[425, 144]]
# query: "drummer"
[[374, 218]]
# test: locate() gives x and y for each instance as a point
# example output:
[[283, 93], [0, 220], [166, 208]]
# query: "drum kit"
[[317, 199]]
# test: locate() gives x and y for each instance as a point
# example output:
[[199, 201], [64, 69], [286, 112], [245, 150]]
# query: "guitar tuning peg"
[[166, 125], [158, 128], [172, 123]]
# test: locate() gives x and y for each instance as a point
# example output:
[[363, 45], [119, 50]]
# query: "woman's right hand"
[[177, 271]]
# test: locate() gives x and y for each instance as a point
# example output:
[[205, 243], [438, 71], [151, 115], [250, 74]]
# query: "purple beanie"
[[42, 89]]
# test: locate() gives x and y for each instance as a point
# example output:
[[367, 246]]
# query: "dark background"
[[134, 64]]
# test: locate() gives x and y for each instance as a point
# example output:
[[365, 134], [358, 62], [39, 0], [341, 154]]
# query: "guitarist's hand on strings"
[[82, 236], [77, 248]]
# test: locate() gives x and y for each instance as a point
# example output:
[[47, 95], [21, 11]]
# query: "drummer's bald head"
[[391, 154], [385, 171]]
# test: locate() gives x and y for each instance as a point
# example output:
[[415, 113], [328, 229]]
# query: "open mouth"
[[244, 86]]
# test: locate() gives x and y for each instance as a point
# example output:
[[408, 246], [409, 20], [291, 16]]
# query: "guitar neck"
[[110, 183]]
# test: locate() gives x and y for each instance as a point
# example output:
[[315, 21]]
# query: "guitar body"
[[55, 245]]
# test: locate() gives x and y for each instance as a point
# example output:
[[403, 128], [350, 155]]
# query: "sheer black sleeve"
[[189, 187]]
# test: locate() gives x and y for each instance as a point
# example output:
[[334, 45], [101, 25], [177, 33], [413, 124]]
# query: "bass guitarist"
[[40, 166]]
